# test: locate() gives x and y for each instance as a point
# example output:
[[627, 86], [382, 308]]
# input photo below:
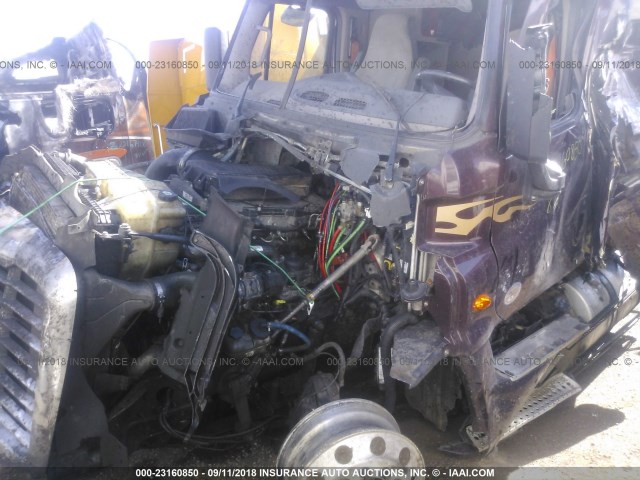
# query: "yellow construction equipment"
[[176, 77]]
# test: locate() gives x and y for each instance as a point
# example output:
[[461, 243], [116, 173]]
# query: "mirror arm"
[[549, 176]]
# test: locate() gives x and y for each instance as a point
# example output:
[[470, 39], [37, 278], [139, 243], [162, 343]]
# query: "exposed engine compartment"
[[261, 259], [241, 286]]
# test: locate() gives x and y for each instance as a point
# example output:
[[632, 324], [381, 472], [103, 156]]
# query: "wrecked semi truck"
[[409, 202]]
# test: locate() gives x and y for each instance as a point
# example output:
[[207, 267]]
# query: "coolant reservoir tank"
[[140, 203]]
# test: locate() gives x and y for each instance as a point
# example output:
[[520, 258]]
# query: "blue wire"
[[290, 329]]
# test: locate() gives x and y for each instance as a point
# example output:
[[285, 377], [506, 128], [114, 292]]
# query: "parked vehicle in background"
[[69, 96]]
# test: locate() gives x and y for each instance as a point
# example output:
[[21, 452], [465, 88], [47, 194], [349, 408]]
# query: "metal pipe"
[[414, 242], [158, 128], [368, 246]]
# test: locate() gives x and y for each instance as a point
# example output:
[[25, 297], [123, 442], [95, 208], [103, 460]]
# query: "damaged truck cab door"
[[529, 109], [546, 168]]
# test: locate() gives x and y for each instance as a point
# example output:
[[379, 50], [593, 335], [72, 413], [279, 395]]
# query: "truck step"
[[553, 392], [537, 348], [556, 390]]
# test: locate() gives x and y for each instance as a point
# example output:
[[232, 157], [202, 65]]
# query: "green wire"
[[72, 184], [192, 206], [332, 226], [280, 269], [76, 182], [53, 197], [332, 229], [344, 244], [340, 235], [255, 249]]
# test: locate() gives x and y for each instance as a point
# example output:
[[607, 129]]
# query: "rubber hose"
[[166, 164]]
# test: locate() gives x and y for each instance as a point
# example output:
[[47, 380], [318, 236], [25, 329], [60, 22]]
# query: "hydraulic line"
[[342, 365], [290, 329]]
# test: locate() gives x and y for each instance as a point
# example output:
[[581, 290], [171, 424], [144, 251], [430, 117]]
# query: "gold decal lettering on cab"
[[500, 210]]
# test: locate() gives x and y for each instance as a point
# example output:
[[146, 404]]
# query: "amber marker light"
[[482, 302]]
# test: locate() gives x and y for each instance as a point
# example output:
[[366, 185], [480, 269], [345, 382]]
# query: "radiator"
[[38, 295]]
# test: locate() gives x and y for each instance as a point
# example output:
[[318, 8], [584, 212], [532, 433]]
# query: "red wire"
[[326, 224], [324, 229], [333, 240]]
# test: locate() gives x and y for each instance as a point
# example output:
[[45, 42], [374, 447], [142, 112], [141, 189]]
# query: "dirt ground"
[[597, 428]]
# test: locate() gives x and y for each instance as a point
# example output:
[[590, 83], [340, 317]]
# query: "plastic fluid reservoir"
[[145, 205]]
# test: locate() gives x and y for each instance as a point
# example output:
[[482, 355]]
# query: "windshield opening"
[[276, 47], [360, 61]]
